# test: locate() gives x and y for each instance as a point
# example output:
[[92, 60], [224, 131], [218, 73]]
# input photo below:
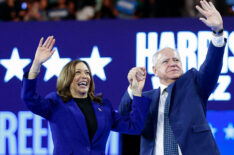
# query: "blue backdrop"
[[111, 47]]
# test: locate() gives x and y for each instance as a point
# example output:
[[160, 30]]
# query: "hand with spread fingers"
[[43, 53], [212, 17]]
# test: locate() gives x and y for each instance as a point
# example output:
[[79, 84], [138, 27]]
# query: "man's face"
[[168, 66]]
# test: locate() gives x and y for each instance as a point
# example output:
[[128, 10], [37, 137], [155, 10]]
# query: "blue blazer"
[[188, 97], [68, 125]]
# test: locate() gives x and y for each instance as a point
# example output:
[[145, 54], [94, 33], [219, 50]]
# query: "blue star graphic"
[[97, 63], [14, 65], [54, 65]]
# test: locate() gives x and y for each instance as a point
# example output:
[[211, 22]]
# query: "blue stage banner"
[[222, 127], [112, 48]]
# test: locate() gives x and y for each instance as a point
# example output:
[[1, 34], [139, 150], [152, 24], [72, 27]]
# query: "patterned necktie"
[[170, 145]]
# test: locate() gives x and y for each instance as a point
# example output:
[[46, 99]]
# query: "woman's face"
[[80, 84]]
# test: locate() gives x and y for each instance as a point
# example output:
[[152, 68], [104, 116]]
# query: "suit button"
[[88, 148]]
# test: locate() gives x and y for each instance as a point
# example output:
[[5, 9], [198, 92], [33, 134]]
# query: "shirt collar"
[[162, 87]]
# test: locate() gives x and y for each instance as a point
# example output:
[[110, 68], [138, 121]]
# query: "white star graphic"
[[229, 131], [14, 65], [54, 65], [97, 63], [213, 129]]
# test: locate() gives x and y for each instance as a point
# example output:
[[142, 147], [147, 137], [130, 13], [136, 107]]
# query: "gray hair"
[[155, 56]]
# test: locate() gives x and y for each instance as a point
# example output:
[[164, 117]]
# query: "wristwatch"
[[218, 32]]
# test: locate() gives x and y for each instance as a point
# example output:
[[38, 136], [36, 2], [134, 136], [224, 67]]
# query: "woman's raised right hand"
[[44, 51]]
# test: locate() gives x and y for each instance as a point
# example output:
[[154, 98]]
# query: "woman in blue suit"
[[80, 122]]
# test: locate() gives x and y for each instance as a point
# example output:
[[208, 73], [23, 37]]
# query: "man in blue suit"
[[177, 115]]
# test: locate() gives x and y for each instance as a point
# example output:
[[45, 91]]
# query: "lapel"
[[101, 121], [169, 89], [155, 103], [79, 118], [154, 106]]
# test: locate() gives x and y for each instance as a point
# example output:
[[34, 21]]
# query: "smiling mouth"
[[83, 84]]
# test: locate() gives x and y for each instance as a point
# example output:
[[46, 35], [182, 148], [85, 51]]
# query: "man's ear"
[[155, 71]]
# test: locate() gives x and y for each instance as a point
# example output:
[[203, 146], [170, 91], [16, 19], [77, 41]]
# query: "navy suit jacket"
[[68, 125], [188, 97]]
